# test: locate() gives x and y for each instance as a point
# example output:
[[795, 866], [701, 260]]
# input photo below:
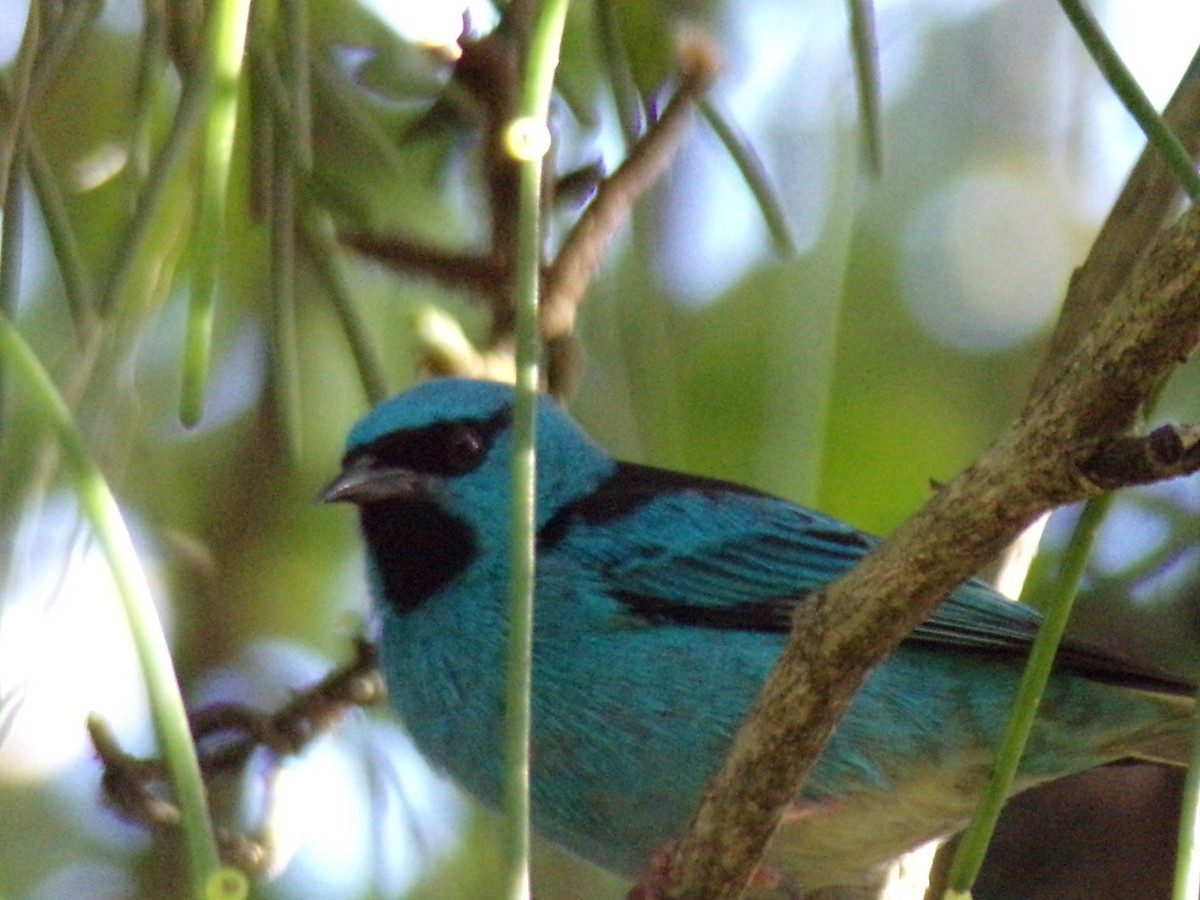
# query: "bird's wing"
[[688, 550], [674, 545]]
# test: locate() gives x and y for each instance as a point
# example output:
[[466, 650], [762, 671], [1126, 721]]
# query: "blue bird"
[[662, 602]]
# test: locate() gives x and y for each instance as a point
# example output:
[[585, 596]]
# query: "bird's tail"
[[1169, 740]]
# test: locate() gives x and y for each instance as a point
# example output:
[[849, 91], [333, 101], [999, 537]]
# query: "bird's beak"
[[365, 480]]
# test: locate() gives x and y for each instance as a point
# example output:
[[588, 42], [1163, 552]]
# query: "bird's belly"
[[851, 839]]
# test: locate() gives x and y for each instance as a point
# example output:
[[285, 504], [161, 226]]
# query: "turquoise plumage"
[[662, 601]]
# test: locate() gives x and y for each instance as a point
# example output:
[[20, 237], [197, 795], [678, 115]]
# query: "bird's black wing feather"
[[689, 550]]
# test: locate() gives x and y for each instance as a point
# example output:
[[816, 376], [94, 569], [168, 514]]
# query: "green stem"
[[19, 146], [288, 108], [528, 141], [11, 228], [221, 77], [150, 89], [317, 234], [293, 163], [64, 243], [166, 703], [296, 70], [866, 73], [1134, 99], [283, 356], [192, 107], [10, 135], [60, 40], [1187, 859], [1059, 599], [631, 112], [755, 176]]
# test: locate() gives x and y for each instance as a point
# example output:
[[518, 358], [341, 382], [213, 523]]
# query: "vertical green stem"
[[11, 230], [1187, 859], [292, 163], [225, 45], [10, 135], [866, 73], [150, 89], [528, 140], [630, 109], [12, 222], [1059, 599], [293, 15], [284, 358]]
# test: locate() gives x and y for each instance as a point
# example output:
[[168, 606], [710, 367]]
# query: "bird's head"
[[430, 468]]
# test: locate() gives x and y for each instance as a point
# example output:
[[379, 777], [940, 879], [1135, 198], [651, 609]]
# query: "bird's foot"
[[654, 876]]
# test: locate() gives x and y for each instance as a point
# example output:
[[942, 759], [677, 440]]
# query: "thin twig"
[[135, 787], [568, 276]]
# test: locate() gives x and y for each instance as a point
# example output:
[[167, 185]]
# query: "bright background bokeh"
[[885, 352]]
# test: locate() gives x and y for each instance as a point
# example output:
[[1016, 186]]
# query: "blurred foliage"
[[841, 375]]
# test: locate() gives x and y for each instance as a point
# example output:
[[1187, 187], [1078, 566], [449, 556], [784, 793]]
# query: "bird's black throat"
[[417, 547]]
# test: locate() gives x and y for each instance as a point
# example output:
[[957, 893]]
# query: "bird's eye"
[[464, 446], [441, 449]]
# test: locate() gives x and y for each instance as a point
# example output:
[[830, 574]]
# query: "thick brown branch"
[[1095, 396]]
